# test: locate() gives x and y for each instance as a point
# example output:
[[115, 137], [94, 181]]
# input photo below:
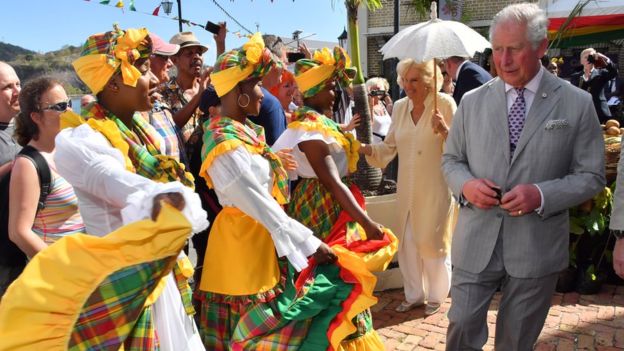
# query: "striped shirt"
[[60, 216]]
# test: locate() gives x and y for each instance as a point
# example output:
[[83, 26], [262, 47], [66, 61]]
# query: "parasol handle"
[[435, 85]]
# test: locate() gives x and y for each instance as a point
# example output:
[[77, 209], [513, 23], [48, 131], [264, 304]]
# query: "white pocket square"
[[557, 124]]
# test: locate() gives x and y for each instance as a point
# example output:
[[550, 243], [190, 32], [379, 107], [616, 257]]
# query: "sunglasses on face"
[[59, 106]]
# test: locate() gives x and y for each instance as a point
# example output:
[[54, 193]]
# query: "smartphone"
[[294, 56], [591, 59], [212, 27]]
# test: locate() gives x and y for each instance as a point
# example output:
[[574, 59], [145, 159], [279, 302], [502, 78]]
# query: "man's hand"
[[174, 199], [324, 254], [288, 160], [618, 258], [220, 37], [204, 79], [479, 192], [522, 199]]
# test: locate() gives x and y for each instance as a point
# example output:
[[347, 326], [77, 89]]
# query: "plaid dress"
[[315, 206]]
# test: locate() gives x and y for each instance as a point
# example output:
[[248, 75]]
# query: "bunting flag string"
[[156, 12]]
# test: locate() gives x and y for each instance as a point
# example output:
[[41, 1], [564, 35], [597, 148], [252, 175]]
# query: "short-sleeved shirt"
[[271, 117], [174, 97], [160, 118], [8, 145]]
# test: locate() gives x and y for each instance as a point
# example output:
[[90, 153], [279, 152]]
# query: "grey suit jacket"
[[561, 149]]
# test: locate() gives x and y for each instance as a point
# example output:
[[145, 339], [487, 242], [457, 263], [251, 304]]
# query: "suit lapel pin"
[[544, 95]]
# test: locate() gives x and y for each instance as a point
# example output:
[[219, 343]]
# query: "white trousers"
[[424, 279]]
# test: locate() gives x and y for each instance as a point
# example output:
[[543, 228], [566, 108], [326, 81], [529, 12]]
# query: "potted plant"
[[589, 245]]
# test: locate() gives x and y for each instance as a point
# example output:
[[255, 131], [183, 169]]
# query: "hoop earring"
[[243, 105]]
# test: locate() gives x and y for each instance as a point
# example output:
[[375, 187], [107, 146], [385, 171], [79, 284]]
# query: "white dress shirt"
[[530, 89]]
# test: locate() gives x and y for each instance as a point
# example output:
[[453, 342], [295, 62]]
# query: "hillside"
[[9, 52], [29, 64]]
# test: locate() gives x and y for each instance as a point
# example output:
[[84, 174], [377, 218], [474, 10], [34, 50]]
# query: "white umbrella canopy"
[[435, 39]]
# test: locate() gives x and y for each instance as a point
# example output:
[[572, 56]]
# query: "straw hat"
[[186, 39]]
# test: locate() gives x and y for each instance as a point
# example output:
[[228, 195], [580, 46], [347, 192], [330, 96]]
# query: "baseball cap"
[[161, 47]]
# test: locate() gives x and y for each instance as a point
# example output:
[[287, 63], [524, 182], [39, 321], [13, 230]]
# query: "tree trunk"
[[367, 177]]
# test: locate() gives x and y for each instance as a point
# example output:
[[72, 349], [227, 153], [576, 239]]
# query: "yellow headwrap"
[[232, 67], [103, 54], [310, 75]]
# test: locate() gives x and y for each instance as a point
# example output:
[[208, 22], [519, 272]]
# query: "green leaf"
[[575, 228]]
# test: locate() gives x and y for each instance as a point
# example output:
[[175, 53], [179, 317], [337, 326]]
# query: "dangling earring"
[[246, 104]]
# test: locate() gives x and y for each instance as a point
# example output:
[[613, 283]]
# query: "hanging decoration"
[[156, 12]]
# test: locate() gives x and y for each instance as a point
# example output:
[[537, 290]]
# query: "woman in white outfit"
[[380, 112], [116, 167], [425, 205]]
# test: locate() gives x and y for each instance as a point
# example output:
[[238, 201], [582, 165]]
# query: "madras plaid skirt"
[[248, 326], [314, 206], [100, 325]]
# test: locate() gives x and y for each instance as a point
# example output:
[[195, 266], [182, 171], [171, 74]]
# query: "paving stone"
[[574, 322]]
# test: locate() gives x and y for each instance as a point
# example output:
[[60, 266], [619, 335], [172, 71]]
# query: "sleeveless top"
[[60, 216]]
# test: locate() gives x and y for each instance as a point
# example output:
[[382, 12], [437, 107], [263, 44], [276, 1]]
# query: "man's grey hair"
[[524, 13]]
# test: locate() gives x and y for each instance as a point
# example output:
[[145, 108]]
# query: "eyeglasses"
[[59, 106]]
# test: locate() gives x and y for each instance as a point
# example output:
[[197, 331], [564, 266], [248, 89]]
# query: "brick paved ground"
[[575, 322]]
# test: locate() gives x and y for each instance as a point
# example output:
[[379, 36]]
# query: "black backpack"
[[10, 254]]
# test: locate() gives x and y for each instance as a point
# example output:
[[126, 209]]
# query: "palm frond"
[[565, 27]]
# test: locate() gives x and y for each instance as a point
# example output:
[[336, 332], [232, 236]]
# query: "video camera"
[[380, 93]]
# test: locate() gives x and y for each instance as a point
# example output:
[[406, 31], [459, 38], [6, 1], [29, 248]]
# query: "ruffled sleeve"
[[86, 159], [233, 178]]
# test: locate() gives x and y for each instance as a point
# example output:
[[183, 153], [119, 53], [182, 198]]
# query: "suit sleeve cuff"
[[540, 209]]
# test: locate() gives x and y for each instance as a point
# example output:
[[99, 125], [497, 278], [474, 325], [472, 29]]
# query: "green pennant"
[[105, 2], [132, 8]]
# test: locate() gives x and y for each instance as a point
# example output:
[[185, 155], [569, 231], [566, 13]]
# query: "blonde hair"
[[380, 82], [587, 52], [425, 70]]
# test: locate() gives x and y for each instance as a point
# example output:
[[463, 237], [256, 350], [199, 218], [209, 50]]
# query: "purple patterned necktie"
[[516, 119]]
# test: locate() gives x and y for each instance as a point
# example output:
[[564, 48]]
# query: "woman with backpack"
[[35, 224]]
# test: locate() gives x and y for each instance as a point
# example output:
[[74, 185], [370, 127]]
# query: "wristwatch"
[[618, 234]]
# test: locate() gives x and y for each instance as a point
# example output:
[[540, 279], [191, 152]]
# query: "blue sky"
[[45, 25]]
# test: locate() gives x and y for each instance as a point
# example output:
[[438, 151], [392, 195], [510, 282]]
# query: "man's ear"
[[541, 49]]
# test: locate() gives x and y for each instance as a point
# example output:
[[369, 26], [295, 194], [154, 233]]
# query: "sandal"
[[406, 306]]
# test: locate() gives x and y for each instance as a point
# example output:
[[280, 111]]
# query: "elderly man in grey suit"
[[535, 139]]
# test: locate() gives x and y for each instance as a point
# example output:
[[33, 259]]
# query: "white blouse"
[[291, 138], [244, 180], [109, 196], [381, 125]]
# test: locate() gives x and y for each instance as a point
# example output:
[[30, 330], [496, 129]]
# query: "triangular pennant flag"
[[132, 8], [156, 10], [119, 4], [105, 2]]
